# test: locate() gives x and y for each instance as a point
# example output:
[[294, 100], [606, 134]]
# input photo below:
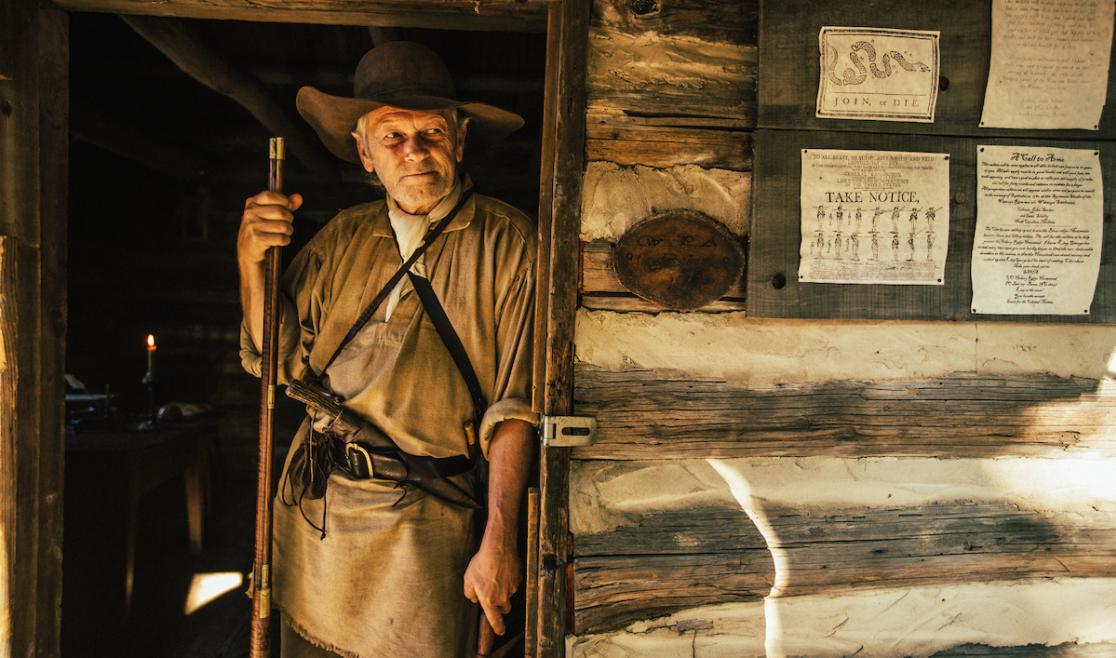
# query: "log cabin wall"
[[810, 487]]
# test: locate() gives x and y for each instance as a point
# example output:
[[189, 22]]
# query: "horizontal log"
[[706, 19], [823, 552], [494, 15], [869, 535], [628, 303], [601, 287], [613, 591], [1065, 650], [646, 414], [629, 140], [650, 74], [1061, 618]]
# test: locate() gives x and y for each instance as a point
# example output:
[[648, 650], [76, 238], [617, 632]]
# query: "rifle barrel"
[[261, 570]]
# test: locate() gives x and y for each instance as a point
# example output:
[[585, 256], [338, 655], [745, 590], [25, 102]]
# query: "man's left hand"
[[491, 578]]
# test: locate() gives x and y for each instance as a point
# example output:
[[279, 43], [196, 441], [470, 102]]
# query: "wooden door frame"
[[34, 146], [33, 75], [556, 307]]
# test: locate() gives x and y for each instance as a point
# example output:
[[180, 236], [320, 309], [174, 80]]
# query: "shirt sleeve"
[[302, 296], [514, 353]]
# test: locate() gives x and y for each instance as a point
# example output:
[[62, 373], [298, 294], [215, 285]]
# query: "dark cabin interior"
[[160, 165]]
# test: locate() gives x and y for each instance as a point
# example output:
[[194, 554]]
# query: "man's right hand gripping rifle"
[[267, 221]]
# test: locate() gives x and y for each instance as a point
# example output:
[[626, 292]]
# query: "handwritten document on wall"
[[877, 74], [1038, 237], [874, 217], [1049, 64]]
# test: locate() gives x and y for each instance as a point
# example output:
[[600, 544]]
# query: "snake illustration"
[[851, 77]]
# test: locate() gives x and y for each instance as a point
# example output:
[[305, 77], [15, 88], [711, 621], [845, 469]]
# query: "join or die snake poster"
[[878, 74], [874, 217], [1040, 216]]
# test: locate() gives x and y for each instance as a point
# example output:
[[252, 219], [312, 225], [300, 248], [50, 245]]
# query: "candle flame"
[[151, 341]]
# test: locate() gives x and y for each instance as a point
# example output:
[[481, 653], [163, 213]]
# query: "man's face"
[[415, 153]]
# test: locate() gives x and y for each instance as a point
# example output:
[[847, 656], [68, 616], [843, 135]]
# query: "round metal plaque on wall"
[[680, 259]]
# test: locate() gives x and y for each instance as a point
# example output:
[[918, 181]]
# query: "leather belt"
[[363, 462]]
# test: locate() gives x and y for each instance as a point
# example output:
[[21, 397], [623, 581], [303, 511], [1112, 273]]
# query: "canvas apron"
[[387, 578]]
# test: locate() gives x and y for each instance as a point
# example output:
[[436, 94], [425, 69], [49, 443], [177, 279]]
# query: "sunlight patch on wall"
[[742, 491]]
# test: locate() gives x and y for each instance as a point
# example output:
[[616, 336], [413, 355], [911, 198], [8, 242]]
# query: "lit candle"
[[150, 357]]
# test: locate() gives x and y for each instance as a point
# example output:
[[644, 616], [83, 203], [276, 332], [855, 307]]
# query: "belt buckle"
[[354, 447]]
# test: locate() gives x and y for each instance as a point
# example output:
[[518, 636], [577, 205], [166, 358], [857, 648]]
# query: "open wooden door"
[[33, 170]]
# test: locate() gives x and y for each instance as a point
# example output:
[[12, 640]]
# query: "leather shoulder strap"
[[382, 295], [452, 342]]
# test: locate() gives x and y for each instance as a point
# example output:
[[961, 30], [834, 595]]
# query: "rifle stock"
[[261, 569]]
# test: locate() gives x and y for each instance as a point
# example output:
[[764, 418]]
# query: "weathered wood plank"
[[644, 414], [773, 287], [680, 558], [548, 162], [626, 303], [495, 15], [7, 19], [790, 66], [1041, 618], [54, 145], [630, 140], [612, 592], [673, 59], [648, 73], [601, 287], [1066, 650], [877, 539], [19, 407], [569, 24], [33, 147], [705, 19]]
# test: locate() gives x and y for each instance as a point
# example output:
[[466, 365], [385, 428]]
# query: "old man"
[[368, 565]]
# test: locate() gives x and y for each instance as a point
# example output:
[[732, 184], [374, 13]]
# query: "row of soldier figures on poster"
[[847, 234]]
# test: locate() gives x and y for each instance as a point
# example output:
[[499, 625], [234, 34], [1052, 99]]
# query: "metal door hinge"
[[568, 431]]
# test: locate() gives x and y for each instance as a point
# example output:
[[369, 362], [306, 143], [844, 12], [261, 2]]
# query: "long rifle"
[[261, 569]]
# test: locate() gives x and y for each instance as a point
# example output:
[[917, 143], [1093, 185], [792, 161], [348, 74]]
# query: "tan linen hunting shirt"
[[387, 577]]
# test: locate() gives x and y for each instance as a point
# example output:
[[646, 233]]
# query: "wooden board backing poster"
[[773, 261], [790, 68]]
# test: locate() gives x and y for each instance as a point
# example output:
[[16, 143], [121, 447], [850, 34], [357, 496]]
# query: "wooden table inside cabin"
[[145, 460]]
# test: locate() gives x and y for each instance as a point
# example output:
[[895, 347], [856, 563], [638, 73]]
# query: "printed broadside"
[[874, 217], [877, 74], [1038, 237], [1049, 64]]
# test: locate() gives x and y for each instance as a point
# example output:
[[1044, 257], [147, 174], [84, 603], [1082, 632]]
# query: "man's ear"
[[362, 151], [462, 131]]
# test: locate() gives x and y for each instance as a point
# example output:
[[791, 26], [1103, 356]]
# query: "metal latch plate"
[[569, 431]]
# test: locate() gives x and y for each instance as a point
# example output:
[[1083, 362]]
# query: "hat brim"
[[335, 117]]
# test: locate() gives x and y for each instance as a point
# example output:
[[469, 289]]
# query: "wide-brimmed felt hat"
[[401, 74]]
